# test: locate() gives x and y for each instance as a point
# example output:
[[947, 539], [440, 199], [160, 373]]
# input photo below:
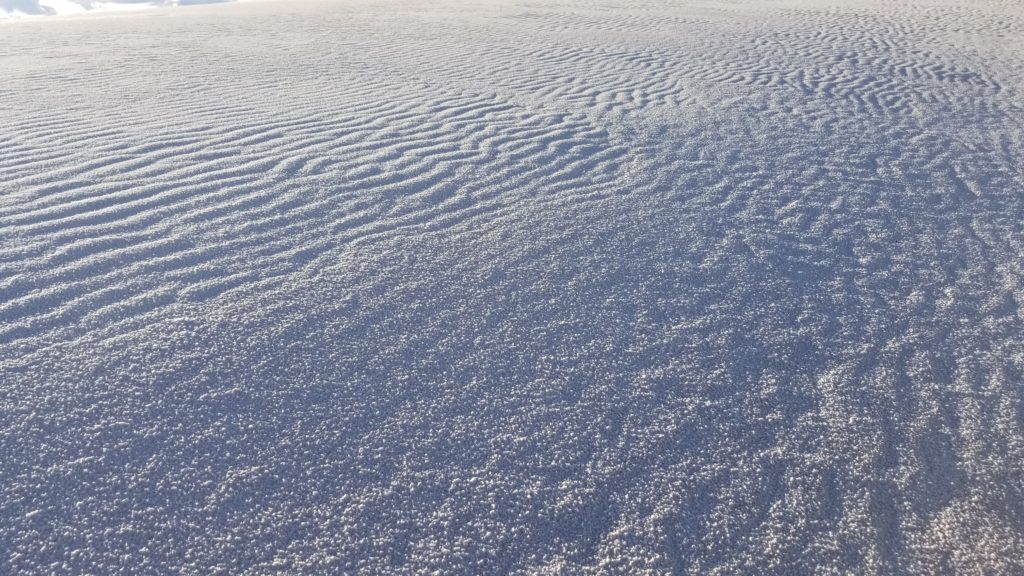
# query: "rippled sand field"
[[514, 287]]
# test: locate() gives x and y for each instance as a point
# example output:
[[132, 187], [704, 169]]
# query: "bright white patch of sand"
[[30, 8]]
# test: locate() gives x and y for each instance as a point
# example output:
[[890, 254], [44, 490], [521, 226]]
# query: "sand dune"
[[513, 287]]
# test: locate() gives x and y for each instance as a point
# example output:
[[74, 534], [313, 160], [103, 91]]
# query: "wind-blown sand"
[[514, 287]]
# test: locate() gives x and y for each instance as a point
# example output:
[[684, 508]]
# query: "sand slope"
[[514, 287]]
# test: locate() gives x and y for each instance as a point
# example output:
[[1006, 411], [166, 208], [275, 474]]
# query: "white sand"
[[514, 287]]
